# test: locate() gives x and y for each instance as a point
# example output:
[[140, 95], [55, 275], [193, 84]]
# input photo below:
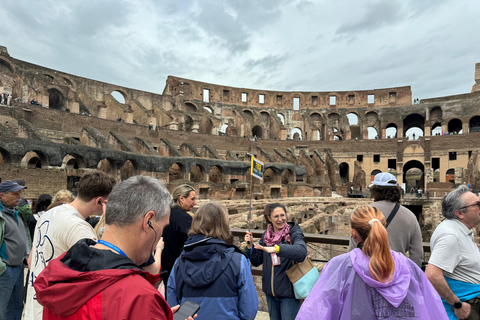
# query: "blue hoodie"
[[215, 275]]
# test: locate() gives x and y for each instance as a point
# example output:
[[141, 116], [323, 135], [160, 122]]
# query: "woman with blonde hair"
[[371, 281], [175, 234], [212, 272]]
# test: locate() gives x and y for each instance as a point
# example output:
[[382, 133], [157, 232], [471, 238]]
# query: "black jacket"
[[297, 251], [174, 237]]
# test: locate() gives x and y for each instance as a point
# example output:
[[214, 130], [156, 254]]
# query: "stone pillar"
[[74, 107], [196, 126], [102, 112], [428, 131], [428, 176], [466, 127], [128, 115], [25, 94], [459, 179]]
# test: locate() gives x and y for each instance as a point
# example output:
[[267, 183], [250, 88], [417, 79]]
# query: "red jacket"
[[120, 291]]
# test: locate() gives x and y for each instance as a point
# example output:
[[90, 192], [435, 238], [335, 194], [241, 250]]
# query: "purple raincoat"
[[346, 290]]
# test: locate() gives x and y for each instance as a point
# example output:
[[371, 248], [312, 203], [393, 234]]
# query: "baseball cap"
[[11, 186], [384, 179]]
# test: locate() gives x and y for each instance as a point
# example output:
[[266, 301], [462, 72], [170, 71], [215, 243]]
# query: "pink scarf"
[[271, 238]]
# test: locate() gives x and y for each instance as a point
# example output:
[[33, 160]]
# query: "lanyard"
[[111, 246]]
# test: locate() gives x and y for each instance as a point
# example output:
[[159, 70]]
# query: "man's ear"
[[459, 214], [146, 218]]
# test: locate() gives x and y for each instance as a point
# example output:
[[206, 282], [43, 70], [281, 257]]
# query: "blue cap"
[[11, 186]]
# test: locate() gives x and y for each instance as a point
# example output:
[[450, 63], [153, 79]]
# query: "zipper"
[[271, 280]]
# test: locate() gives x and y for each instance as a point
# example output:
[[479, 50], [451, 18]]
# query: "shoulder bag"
[[303, 276]]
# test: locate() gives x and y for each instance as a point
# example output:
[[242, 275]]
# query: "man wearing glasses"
[[454, 265]]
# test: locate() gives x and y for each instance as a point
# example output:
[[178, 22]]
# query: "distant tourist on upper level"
[[454, 264]]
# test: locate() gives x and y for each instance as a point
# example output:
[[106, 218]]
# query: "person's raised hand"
[[266, 249]]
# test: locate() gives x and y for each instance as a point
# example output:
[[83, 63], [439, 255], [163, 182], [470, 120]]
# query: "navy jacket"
[[215, 275], [297, 251]]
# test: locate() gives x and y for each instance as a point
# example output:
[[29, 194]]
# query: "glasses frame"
[[477, 203]]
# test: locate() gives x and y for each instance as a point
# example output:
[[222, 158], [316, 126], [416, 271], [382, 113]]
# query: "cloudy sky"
[[263, 44]]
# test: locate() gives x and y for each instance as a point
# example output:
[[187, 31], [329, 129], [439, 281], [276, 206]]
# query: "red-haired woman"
[[371, 281]]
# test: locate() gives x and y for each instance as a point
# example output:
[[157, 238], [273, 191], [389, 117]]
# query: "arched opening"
[[34, 163], [296, 134], [190, 107], [337, 138], [372, 133], [223, 129], [352, 119], [437, 129], [127, 171], [316, 117], [344, 174], [373, 174], [391, 131], [474, 124], [287, 176], [282, 118], [257, 132], [318, 136], [371, 118], [436, 114], [187, 123], [248, 115], [4, 156], [175, 172], [455, 126], [413, 175], [450, 176], [106, 166], [206, 126], [355, 132], [265, 116], [415, 122], [197, 173], [216, 174], [208, 109], [34, 160], [119, 96], [56, 99], [6, 68], [269, 175]]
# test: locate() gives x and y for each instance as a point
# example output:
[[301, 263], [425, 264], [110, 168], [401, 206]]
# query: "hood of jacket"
[[71, 280], [394, 291], [205, 259]]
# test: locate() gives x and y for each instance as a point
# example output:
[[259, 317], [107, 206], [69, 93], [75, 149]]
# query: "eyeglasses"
[[471, 205]]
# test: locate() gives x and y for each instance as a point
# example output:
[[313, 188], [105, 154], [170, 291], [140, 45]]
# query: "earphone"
[[150, 225]]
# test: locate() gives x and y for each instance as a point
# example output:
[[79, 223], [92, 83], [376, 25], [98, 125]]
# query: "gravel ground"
[[262, 316]]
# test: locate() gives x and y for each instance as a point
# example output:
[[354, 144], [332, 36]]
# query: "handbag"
[[303, 276]]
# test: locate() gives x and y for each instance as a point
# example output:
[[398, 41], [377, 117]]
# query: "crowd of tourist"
[[132, 250]]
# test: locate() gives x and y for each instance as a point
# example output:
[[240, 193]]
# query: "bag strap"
[[392, 214]]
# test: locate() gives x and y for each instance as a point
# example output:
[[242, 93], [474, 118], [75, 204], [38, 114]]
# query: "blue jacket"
[[297, 251], [215, 275]]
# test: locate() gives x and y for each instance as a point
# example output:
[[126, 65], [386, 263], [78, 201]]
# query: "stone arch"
[[119, 95], [413, 120], [257, 131], [56, 99], [455, 126], [352, 118], [208, 109], [73, 162], [450, 175], [176, 172], [69, 82], [391, 130], [197, 173], [265, 116], [128, 170], [287, 176], [355, 128], [437, 129], [296, 134], [371, 118], [190, 107], [344, 172], [372, 133], [34, 160], [215, 174], [248, 114], [474, 124], [282, 118], [413, 174], [6, 65], [337, 137], [5, 156], [269, 175], [106, 166], [316, 117], [206, 126], [187, 123]]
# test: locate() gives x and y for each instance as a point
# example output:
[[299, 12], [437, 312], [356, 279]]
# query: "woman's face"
[[187, 203], [278, 218]]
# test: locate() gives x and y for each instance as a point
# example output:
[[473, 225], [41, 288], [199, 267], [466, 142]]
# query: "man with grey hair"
[[104, 279], [454, 265]]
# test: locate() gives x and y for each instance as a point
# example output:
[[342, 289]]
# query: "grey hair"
[[131, 199], [453, 201]]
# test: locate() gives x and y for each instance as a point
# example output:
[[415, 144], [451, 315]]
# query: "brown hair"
[[379, 193], [375, 246], [211, 220], [269, 209], [94, 184]]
